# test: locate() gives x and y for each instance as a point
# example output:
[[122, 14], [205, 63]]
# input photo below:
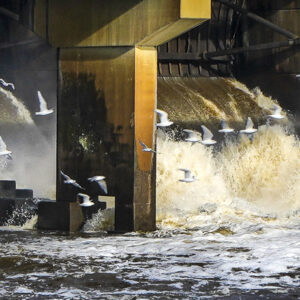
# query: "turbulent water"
[[234, 233], [33, 163]]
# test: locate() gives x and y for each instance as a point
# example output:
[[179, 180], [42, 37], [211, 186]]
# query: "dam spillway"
[[103, 67]]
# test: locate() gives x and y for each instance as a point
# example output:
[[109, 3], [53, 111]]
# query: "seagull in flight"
[[86, 202], [163, 116], [225, 127], [277, 113], [68, 180], [249, 127], [207, 136], [3, 148], [146, 148], [187, 176], [43, 106], [101, 182], [7, 83], [193, 136]]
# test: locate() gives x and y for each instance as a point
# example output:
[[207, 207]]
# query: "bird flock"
[[207, 136], [192, 137], [43, 111]]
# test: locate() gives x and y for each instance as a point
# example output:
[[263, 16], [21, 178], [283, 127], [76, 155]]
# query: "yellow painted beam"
[[145, 102], [144, 170], [195, 9], [91, 23]]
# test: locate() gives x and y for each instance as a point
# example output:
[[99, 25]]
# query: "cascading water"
[[232, 234], [33, 163], [244, 179]]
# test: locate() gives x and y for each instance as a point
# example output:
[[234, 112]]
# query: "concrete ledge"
[[7, 189], [64, 216]]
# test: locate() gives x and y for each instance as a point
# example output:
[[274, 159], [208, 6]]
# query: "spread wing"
[[142, 144], [277, 109], [65, 176], [224, 124], [84, 197], [249, 124], [3, 146], [77, 185], [207, 135], [7, 83], [43, 103], [187, 172], [102, 185], [162, 115], [191, 133]]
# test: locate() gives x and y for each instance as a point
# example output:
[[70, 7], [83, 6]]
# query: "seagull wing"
[[65, 176], [85, 197], [191, 133], [224, 124], [77, 185], [207, 135], [162, 115], [3, 146], [102, 185], [43, 103], [187, 172], [142, 144], [277, 109], [249, 124]]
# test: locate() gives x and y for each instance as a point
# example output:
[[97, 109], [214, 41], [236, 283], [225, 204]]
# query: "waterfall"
[[241, 179]]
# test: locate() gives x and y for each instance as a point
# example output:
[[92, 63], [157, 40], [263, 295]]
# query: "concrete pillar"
[[107, 93]]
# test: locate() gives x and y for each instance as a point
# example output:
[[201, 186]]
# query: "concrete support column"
[[144, 170], [107, 96]]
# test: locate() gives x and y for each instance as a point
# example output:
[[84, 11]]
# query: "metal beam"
[[261, 20], [8, 13], [266, 46]]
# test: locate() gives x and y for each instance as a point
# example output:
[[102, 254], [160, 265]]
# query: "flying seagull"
[[101, 182], [187, 176], [207, 136], [68, 180], [249, 127], [7, 83], [86, 202], [146, 148], [43, 106], [163, 116], [3, 148], [225, 127], [277, 113], [193, 136]]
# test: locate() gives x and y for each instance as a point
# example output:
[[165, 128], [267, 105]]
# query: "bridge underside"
[[107, 94]]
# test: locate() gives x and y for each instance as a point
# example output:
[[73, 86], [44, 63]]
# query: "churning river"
[[232, 234]]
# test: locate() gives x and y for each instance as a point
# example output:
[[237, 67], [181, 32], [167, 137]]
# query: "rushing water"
[[232, 234]]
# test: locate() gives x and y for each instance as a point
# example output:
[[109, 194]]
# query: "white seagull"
[[163, 116], [68, 180], [43, 106], [193, 136], [101, 182], [7, 83], [225, 127], [249, 127], [3, 148], [146, 148], [86, 202], [187, 176], [277, 113], [207, 136]]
